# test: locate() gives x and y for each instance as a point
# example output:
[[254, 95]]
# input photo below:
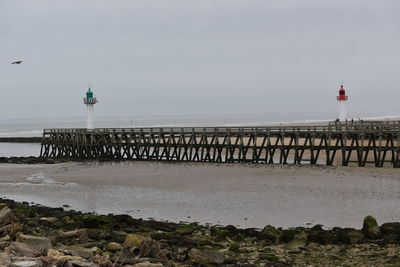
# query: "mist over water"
[[34, 127]]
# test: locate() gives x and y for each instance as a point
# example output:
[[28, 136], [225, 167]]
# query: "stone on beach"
[[21, 250], [72, 237], [113, 247], [205, 257], [371, 228], [149, 248], [132, 240], [299, 240], [7, 216], [38, 243], [80, 252]]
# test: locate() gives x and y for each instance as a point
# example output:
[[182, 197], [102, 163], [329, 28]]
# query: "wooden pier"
[[360, 144]]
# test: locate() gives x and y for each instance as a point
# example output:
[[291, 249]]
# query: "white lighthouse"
[[342, 98], [89, 101]]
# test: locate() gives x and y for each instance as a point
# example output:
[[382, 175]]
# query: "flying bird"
[[17, 62]]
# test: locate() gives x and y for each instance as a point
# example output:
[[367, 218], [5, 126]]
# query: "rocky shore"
[[33, 235], [30, 160], [21, 139]]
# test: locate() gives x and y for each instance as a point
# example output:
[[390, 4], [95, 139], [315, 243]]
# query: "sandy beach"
[[242, 195]]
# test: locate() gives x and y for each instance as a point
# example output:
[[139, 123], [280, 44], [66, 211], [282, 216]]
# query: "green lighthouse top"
[[89, 94]]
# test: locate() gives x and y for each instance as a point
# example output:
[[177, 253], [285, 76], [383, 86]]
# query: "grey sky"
[[197, 57]]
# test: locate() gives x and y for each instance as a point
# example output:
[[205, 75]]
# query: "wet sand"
[[242, 195]]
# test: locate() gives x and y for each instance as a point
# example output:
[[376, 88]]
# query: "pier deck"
[[360, 144]]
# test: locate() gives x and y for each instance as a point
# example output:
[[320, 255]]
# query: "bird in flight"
[[17, 62]]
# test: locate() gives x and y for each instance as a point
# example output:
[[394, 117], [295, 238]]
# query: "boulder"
[[118, 236], [113, 247], [324, 237], [2, 205], [270, 234], [205, 257], [102, 261], [132, 240], [126, 256], [26, 264], [354, 237], [38, 243], [47, 220], [81, 252], [10, 230], [7, 217], [391, 228], [149, 248], [5, 259], [21, 250], [185, 229], [371, 228], [299, 240], [72, 237], [56, 255]]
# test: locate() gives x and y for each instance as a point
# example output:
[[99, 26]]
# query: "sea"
[[34, 127]]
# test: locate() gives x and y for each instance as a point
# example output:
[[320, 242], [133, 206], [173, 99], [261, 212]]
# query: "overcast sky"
[[149, 57]]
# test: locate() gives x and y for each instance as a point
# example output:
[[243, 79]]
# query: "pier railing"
[[361, 144]]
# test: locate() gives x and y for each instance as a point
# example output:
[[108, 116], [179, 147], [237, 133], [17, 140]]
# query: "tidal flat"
[[243, 195]]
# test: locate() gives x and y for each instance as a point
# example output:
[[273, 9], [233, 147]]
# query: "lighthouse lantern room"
[[89, 101], [342, 98]]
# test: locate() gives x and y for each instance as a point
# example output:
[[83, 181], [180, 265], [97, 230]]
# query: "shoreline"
[[60, 236]]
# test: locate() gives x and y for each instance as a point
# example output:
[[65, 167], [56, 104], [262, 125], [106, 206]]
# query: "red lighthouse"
[[342, 94], [342, 98]]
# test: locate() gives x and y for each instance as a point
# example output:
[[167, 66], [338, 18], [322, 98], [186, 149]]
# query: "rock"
[[149, 248], [7, 217], [113, 247], [324, 237], [72, 237], [91, 221], [271, 234], [118, 236], [38, 243], [299, 240], [58, 256], [147, 264], [391, 228], [132, 240], [234, 247], [95, 234], [126, 256], [47, 220], [102, 261], [5, 259], [354, 237], [26, 264], [288, 234], [21, 250], [81, 252], [185, 229], [2, 205], [205, 257], [10, 230], [371, 228]]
